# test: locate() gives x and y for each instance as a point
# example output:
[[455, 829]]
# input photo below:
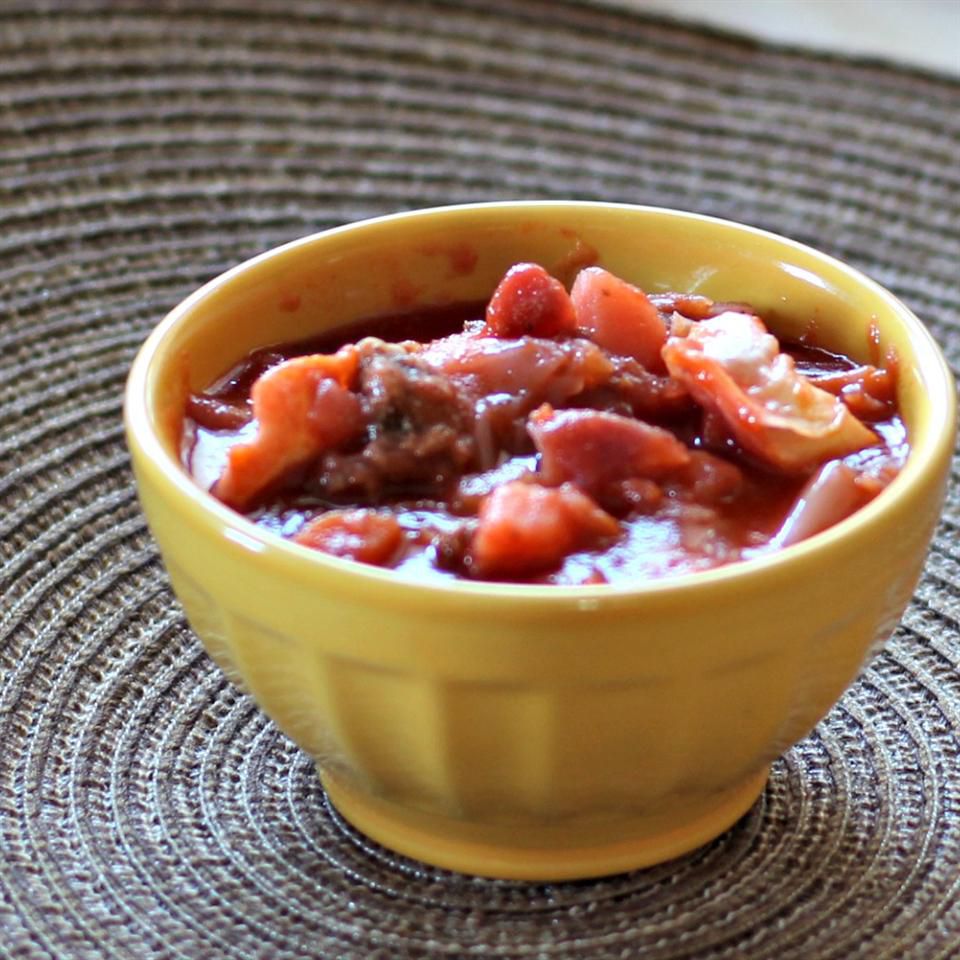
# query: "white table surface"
[[919, 33]]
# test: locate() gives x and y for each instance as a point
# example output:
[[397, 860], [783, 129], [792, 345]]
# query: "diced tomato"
[[364, 535], [528, 302], [302, 408], [594, 449], [527, 529], [618, 317]]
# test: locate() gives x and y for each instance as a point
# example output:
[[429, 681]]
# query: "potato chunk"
[[617, 316], [527, 529]]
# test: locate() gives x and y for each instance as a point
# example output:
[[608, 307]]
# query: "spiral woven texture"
[[147, 809]]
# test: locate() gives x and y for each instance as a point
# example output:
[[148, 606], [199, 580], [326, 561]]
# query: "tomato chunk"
[[364, 535], [302, 408], [594, 449], [617, 316], [529, 302], [526, 529]]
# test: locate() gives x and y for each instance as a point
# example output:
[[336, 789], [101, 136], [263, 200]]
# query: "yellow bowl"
[[524, 731]]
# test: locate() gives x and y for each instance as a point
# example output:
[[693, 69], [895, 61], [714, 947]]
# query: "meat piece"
[[633, 390], [417, 464], [734, 368], [418, 429], [528, 302], [618, 317], [594, 449], [526, 529], [302, 407], [400, 390], [364, 535]]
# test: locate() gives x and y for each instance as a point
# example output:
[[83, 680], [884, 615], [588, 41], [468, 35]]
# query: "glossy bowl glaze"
[[523, 731]]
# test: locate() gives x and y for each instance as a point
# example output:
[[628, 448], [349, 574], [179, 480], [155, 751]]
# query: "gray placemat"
[[147, 809]]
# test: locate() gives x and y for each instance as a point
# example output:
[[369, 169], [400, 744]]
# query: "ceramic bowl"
[[524, 731]]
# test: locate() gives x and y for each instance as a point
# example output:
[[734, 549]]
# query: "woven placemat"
[[147, 809]]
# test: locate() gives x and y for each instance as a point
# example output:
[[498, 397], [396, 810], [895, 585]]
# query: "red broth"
[[600, 436]]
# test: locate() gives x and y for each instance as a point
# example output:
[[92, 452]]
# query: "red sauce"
[[546, 437]]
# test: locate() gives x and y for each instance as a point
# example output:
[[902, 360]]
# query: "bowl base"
[[550, 851]]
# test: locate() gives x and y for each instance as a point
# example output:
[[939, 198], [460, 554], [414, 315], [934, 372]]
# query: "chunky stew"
[[593, 436]]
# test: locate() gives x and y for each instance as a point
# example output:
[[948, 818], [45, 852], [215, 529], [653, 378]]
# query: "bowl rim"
[[149, 452]]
